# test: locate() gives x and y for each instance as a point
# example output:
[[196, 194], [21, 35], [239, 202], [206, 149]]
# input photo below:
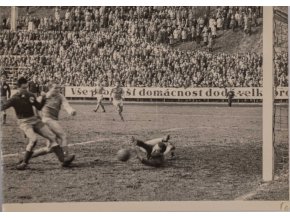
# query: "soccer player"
[[5, 94], [117, 95], [100, 91], [156, 149], [23, 102], [50, 115], [230, 95]]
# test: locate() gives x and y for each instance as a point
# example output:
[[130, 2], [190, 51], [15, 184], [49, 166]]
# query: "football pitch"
[[218, 156]]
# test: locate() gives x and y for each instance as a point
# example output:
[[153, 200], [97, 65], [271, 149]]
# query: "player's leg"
[[98, 105], [102, 106], [32, 140], [57, 129], [157, 140], [169, 149], [120, 110], [45, 132], [230, 102], [4, 115]]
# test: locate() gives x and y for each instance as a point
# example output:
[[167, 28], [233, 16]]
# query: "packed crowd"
[[81, 58], [158, 24], [131, 44], [281, 69]]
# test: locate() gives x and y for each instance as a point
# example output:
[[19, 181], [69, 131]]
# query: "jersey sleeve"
[[9, 103]]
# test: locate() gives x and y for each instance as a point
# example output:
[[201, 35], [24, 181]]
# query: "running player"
[[117, 95], [50, 115], [23, 103], [100, 91], [5, 94], [156, 149]]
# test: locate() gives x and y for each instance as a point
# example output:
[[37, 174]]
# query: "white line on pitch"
[[176, 114], [174, 129], [198, 127], [69, 145], [252, 193]]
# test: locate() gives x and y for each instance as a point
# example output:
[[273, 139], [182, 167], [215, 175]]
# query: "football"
[[123, 155]]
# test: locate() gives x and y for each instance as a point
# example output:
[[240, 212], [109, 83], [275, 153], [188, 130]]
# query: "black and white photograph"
[[144, 104]]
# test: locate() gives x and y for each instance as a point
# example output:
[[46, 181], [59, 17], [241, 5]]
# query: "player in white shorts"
[[50, 114], [117, 95], [100, 91]]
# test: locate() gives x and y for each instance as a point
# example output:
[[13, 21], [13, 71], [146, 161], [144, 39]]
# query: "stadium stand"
[[80, 45]]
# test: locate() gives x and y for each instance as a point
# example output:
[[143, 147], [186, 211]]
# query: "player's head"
[[34, 78], [159, 148], [22, 83]]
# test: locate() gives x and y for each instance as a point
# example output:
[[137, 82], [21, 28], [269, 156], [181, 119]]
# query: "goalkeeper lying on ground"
[[156, 149]]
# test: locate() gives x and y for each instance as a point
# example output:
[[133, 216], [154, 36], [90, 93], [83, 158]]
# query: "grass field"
[[218, 157]]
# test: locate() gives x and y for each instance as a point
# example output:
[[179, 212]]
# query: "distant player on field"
[[50, 113], [156, 149], [100, 91], [5, 94], [23, 102], [230, 95], [116, 95]]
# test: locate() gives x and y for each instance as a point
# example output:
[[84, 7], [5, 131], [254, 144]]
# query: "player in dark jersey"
[[5, 94], [23, 102], [230, 95], [155, 149]]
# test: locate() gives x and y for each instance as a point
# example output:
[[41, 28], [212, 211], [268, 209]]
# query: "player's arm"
[[67, 106], [156, 162], [9, 103], [38, 104]]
